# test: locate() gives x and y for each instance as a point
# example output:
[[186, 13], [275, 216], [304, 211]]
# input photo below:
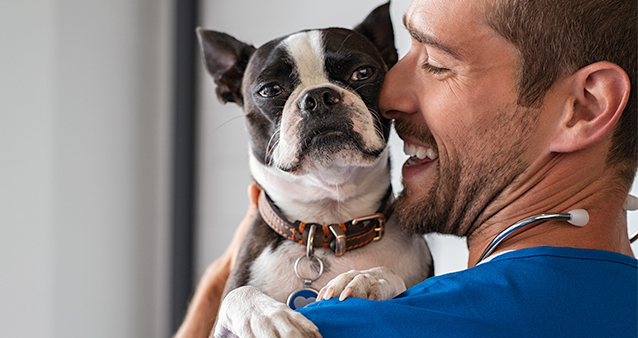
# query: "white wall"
[[84, 158], [223, 168]]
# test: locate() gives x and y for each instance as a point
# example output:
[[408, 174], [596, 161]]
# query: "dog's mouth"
[[331, 139], [333, 145], [320, 138]]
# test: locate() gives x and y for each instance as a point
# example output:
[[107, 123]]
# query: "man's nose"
[[398, 91]]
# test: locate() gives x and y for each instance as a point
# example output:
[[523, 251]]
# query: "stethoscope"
[[577, 217]]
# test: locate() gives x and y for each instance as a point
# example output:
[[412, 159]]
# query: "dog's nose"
[[319, 99]]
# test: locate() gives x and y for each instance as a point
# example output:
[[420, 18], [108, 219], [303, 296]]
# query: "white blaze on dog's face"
[[311, 102]]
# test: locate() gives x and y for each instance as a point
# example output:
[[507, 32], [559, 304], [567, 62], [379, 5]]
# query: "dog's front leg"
[[247, 312], [377, 284]]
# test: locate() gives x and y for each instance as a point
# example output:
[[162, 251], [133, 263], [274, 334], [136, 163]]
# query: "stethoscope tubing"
[[578, 217], [532, 220]]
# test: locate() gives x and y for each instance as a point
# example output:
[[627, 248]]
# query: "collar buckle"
[[380, 230], [379, 218], [340, 239]]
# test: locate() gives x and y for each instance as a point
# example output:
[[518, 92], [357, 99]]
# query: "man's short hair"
[[556, 38]]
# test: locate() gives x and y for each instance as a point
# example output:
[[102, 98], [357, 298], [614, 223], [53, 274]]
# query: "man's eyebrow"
[[430, 40]]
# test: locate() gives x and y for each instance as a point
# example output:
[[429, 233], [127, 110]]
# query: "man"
[[531, 108]]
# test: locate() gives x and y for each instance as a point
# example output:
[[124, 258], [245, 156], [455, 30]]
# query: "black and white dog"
[[318, 148]]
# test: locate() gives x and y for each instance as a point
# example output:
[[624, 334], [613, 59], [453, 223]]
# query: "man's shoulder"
[[537, 271], [555, 287], [567, 253]]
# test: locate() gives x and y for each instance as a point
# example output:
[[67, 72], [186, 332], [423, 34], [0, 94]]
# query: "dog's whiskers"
[[270, 147], [344, 41], [228, 121], [363, 85], [378, 128]]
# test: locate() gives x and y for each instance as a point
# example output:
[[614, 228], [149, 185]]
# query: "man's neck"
[[556, 186]]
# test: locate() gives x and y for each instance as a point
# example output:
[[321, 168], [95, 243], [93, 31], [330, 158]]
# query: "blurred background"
[[121, 176]]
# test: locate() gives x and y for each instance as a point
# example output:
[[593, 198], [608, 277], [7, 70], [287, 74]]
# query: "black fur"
[[242, 73]]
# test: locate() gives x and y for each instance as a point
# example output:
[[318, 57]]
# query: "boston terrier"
[[318, 149]]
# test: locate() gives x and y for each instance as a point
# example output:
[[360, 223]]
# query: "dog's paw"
[[377, 284], [247, 312]]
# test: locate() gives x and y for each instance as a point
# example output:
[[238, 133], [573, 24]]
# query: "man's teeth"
[[419, 152]]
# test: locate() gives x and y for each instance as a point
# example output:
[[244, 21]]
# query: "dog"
[[318, 149]]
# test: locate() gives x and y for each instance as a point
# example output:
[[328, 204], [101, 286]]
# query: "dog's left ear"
[[377, 27], [226, 59]]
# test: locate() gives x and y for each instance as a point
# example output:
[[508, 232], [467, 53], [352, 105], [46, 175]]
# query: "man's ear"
[[226, 59], [377, 27], [599, 95]]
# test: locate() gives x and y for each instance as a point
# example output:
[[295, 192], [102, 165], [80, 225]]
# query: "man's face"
[[455, 93]]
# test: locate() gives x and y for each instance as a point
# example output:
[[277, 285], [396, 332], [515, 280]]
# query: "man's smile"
[[421, 156]]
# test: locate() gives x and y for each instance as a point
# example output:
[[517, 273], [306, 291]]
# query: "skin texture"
[[465, 108], [455, 91]]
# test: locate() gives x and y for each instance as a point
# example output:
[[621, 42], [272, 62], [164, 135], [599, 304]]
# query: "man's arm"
[[202, 312]]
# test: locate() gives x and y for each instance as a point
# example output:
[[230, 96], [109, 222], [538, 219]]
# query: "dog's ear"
[[226, 59], [377, 27]]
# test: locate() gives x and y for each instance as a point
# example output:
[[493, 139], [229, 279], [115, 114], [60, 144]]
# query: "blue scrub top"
[[535, 292]]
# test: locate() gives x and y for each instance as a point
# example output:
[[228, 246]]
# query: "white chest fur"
[[273, 272]]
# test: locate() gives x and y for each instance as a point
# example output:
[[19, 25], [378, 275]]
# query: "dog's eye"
[[362, 73], [270, 90]]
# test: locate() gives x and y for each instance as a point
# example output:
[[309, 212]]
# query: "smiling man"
[[510, 109], [506, 148], [516, 134], [454, 94]]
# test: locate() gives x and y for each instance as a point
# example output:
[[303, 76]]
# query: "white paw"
[[247, 312], [376, 284]]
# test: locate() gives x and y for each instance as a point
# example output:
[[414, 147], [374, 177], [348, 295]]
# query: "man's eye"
[[270, 90], [362, 73], [433, 69]]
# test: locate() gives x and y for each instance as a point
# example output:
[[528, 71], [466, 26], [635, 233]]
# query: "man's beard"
[[463, 187], [431, 211]]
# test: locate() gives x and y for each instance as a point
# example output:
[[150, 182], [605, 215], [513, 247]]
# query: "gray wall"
[[84, 140]]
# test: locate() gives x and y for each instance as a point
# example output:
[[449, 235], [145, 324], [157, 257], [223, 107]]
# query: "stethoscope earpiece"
[[631, 203], [578, 217]]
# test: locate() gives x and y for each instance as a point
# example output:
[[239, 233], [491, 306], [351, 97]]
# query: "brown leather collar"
[[339, 237]]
